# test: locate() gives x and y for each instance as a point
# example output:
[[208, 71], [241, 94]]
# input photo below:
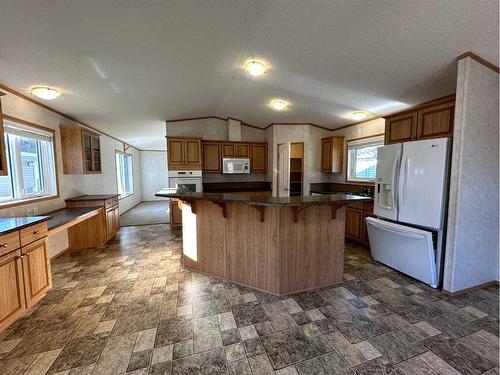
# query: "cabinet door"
[[401, 128], [364, 233], [3, 156], [193, 151], [353, 223], [96, 154], [87, 152], [175, 215], [110, 223], [116, 219], [258, 157], [36, 271], [211, 157], [326, 155], [175, 151], [436, 121], [12, 301], [242, 150], [228, 150]]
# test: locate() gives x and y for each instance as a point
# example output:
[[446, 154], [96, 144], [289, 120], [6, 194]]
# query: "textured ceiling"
[[127, 66]]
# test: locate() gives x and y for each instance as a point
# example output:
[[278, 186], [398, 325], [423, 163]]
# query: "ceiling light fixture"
[[44, 92], [255, 68], [279, 105], [358, 115]]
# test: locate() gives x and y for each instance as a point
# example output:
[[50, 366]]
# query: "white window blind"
[[124, 175]]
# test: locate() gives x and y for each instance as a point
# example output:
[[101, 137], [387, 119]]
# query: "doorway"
[[290, 169]]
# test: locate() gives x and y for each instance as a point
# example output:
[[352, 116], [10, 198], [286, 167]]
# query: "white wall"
[[472, 239], [154, 171], [365, 129], [71, 185], [207, 128]]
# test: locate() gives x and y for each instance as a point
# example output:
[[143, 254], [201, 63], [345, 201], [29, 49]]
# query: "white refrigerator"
[[410, 205]]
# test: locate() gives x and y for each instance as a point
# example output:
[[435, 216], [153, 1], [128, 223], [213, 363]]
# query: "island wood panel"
[[211, 239], [311, 250], [252, 254]]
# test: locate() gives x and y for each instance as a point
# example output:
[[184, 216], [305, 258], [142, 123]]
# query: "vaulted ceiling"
[[127, 66]]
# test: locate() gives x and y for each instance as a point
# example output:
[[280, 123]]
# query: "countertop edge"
[[40, 219]]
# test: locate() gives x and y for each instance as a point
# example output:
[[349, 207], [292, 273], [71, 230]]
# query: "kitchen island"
[[277, 245]]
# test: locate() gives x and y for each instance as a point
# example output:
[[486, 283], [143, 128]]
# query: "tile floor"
[[130, 308]]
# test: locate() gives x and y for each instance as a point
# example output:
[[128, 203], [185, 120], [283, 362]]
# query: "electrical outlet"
[[12, 214], [29, 211], [35, 211]]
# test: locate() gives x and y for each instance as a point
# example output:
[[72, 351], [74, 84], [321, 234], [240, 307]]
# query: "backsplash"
[[340, 187]]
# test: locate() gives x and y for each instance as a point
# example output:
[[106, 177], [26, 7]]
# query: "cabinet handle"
[[20, 257], [36, 231], [4, 245]]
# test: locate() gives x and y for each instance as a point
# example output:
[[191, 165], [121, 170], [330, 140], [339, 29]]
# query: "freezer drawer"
[[408, 250]]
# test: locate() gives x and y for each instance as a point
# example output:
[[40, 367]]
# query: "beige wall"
[[71, 185], [472, 243], [365, 129], [154, 172]]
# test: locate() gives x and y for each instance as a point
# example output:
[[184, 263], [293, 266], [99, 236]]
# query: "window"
[[362, 159], [31, 163], [124, 174]]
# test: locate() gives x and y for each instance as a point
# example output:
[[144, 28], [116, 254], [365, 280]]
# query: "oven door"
[[188, 183]]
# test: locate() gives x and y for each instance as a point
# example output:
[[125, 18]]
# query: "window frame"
[[360, 143], [35, 199], [117, 152]]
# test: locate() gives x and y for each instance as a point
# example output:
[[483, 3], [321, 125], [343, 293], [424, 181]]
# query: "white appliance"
[[240, 165], [190, 180], [410, 204]]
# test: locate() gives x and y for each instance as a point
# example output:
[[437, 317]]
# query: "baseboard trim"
[[471, 289]]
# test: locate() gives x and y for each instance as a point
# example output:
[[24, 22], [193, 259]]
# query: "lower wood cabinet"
[[355, 223], [25, 276], [12, 299], [175, 215], [36, 271], [112, 221]]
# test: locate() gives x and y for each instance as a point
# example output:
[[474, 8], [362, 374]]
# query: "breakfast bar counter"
[[274, 244]]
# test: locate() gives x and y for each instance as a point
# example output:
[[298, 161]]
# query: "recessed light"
[[279, 105], [44, 92], [255, 68], [358, 115]]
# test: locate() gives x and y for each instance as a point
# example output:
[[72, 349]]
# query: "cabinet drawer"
[[9, 242], [358, 205], [33, 233], [111, 202], [368, 207]]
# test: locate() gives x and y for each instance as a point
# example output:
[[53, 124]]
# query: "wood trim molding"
[[480, 60], [428, 103], [26, 97], [28, 123], [357, 123]]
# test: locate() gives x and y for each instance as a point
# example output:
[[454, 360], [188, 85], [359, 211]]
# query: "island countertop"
[[309, 200]]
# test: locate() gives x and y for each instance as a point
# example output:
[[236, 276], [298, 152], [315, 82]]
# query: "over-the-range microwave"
[[230, 165]]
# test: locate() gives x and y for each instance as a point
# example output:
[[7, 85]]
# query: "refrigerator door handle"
[[394, 181], [399, 233], [403, 177]]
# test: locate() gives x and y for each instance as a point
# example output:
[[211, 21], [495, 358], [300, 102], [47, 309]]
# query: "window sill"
[[125, 196], [21, 202]]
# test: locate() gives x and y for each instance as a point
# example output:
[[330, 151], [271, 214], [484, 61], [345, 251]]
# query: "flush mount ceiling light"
[[279, 105], [255, 68], [358, 115], [44, 92]]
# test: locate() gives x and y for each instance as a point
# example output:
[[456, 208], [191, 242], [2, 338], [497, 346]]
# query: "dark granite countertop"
[[11, 224], [92, 197], [66, 215], [228, 187], [338, 199]]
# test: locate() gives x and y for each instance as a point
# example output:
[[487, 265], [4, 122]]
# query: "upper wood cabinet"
[[81, 150], [235, 150], [258, 157], [3, 156], [212, 161], [184, 153], [429, 120], [215, 151], [332, 154], [401, 128]]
